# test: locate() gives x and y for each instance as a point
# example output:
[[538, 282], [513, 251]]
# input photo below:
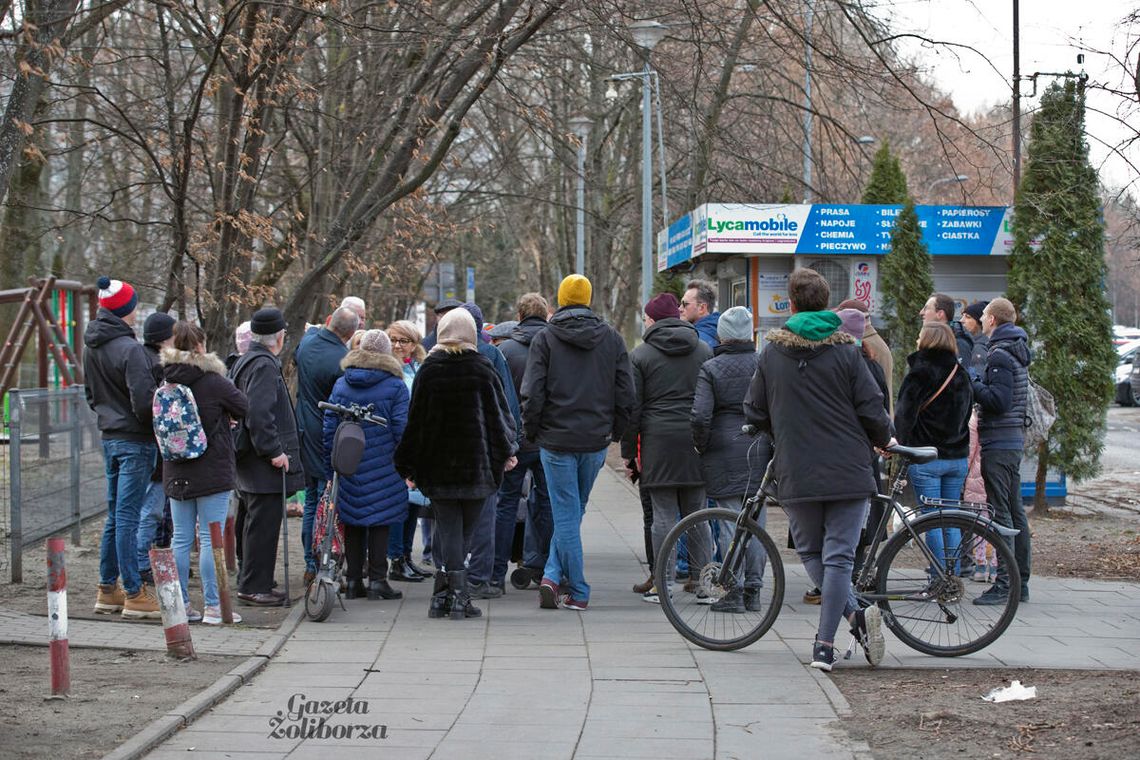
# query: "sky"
[[1053, 32]]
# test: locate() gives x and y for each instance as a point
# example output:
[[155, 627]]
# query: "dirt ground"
[[83, 574], [114, 695], [1077, 715]]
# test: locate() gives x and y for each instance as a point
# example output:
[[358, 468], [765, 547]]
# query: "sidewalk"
[[22, 628], [615, 681]]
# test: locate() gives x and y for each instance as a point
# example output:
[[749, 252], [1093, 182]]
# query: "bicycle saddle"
[[916, 454]]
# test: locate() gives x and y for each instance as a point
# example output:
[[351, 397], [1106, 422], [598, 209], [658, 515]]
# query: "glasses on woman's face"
[[402, 341]]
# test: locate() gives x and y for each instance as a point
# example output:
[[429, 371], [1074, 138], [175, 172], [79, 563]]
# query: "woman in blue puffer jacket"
[[374, 498]]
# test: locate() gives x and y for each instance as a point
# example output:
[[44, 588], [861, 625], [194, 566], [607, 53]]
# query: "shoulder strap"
[[938, 392]]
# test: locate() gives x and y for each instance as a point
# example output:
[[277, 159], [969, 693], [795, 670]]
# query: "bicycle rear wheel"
[[736, 594], [935, 613]]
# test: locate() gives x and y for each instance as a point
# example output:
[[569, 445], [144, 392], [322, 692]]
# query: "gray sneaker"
[[868, 629], [485, 590]]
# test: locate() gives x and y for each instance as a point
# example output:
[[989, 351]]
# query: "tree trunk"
[[21, 251], [1040, 503], [45, 24]]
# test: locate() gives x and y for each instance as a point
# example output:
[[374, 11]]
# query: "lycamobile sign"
[[829, 228], [775, 224]]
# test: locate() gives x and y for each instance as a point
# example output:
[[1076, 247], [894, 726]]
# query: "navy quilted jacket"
[[376, 494]]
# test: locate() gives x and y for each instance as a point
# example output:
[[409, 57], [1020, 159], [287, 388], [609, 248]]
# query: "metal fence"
[[52, 468]]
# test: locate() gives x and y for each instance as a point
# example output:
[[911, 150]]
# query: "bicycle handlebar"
[[355, 412]]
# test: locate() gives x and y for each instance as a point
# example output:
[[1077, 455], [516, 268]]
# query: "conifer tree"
[[905, 284], [1057, 275], [887, 184]]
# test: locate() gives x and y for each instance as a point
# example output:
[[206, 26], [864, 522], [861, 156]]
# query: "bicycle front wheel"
[[935, 612], [734, 595]]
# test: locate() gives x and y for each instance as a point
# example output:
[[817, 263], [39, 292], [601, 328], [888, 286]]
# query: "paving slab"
[[616, 681]]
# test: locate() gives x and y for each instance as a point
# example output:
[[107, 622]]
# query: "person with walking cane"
[[268, 457]]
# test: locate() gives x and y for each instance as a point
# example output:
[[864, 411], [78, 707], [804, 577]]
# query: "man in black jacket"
[[813, 393], [318, 367], [267, 446], [532, 309], [1001, 393], [119, 383], [577, 395]]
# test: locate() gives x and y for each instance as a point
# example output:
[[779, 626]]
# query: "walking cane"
[[285, 529]]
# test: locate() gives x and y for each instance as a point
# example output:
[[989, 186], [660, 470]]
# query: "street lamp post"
[[581, 126], [944, 180], [809, 18], [646, 34]]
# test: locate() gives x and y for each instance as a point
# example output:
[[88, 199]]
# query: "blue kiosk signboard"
[[788, 235], [828, 228]]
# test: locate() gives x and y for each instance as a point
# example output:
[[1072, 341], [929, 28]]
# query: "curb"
[[181, 716]]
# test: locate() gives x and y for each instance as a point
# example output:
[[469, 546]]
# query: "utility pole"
[[1016, 101]]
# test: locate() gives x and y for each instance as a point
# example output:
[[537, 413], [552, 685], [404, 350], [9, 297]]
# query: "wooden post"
[[57, 619]]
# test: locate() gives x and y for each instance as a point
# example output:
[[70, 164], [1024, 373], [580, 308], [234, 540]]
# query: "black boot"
[[355, 589], [440, 597], [399, 571], [415, 568], [379, 589], [461, 605]]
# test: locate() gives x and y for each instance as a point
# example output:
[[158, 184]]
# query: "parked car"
[[1135, 384], [1128, 358]]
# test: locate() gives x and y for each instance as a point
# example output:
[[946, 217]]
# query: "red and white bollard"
[[169, 590], [57, 619], [231, 545], [218, 550]]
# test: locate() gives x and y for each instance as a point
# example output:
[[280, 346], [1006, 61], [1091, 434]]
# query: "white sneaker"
[[213, 616], [192, 615]]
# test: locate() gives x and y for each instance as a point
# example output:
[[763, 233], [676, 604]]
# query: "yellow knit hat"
[[575, 290]]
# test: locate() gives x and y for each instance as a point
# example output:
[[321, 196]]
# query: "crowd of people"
[[485, 427]]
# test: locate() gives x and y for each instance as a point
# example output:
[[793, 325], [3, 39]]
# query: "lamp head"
[[647, 33]]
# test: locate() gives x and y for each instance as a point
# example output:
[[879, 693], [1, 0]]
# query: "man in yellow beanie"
[[577, 394], [575, 290]]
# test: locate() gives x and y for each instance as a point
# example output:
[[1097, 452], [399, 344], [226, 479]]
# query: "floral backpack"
[[177, 424]]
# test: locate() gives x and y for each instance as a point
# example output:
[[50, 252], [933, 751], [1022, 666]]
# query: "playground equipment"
[[52, 310]]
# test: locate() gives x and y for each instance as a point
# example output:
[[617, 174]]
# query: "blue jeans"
[[480, 545], [569, 479], [539, 524], [201, 511], [941, 479], [128, 466], [150, 520], [314, 487]]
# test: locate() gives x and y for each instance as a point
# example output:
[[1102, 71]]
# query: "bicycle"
[[347, 451], [922, 592]]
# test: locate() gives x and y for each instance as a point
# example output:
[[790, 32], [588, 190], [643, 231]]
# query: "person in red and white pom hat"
[[119, 384]]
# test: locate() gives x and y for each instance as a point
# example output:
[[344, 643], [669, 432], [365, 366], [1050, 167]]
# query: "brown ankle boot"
[[641, 588], [141, 606], [109, 599]]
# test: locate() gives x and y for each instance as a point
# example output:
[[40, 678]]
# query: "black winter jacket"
[[965, 343], [515, 349], [458, 437], [118, 378], [578, 387], [716, 419], [823, 410], [270, 425], [1002, 391], [318, 367], [665, 369], [218, 402], [945, 422]]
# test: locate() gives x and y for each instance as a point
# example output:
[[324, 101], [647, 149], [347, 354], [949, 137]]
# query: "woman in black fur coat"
[[455, 449], [933, 409]]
